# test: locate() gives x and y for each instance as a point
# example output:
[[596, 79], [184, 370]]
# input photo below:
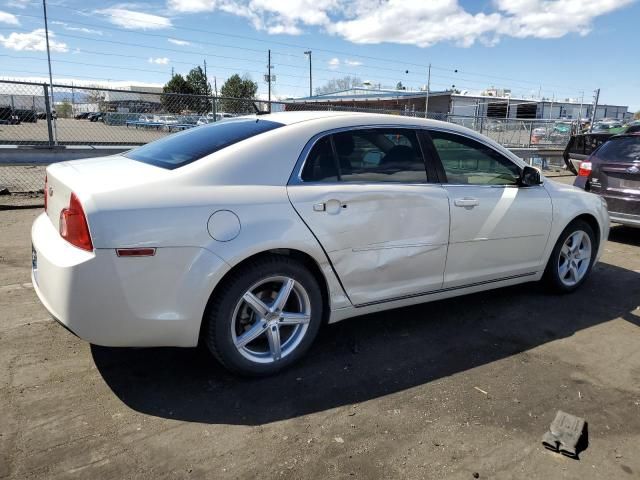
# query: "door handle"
[[332, 206], [466, 202]]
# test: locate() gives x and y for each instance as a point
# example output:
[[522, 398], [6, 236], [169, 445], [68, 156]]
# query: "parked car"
[[613, 171], [248, 234], [96, 117], [81, 115], [26, 116], [580, 146], [608, 127], [43, 115], [8, 117]]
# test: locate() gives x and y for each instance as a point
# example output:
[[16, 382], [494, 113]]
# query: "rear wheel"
[[264, 317], [572, 257]]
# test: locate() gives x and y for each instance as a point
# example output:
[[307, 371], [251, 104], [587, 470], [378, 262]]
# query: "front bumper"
[[116, 301]]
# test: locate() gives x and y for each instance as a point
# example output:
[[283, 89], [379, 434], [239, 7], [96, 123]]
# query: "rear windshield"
[[620, 150], [179, 149]]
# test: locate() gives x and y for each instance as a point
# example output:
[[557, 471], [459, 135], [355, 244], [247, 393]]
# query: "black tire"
[[552, 277], [219, 316]]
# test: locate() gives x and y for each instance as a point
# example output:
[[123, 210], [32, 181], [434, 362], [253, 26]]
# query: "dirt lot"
[[391, 395]]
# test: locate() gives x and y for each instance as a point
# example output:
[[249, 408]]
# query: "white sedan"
[[248, 234]]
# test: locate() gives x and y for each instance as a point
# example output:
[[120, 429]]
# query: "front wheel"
[[572, 258], [264, 317]]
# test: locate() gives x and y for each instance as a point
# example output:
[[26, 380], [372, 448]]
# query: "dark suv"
[[613, 171]]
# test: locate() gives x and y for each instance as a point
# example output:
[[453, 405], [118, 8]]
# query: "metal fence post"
[[47, 109]]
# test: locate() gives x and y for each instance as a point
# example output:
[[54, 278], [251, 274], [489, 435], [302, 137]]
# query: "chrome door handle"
[[466, 202], [319, 207]]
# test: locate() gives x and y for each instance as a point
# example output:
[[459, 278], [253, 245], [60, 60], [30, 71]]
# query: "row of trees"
[[195, 90]]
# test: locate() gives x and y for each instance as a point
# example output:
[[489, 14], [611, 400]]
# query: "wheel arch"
[[302, 257]]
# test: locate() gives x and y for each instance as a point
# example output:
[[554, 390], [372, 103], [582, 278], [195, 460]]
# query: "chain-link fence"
[[40, 115]]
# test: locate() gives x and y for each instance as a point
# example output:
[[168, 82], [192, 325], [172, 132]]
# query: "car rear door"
[[616, 175], [499, 230], [365, 195]]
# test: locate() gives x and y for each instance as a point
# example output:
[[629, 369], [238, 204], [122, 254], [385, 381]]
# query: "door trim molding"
[[442, 290]]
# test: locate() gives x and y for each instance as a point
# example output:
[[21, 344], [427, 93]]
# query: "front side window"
[[366, 156], [468, 162]]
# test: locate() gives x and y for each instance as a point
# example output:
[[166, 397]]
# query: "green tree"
[[64, 110], [237, 87], [637, 115], [177, 103], [200, 86]]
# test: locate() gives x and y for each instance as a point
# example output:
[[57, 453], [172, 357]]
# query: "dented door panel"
[[384, 240]]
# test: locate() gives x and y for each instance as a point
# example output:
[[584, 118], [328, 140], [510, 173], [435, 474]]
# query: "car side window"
[[468, 162], [320, 165], [366, 156], [379, 155]]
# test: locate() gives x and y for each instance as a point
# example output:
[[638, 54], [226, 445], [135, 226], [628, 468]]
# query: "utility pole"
[[206, 82], [426, 100], [46, 31], [215, 98], [580, 111], [308, 52], [269, 77], [595, 107], [171, 72]]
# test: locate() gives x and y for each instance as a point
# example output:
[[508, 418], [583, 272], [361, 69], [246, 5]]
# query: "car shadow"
[[369, 356], [626, 235]]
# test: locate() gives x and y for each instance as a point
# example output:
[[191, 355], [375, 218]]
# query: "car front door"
[[365, 195], [499, 229]]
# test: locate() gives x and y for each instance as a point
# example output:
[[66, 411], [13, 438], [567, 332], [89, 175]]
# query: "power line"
[[291, 45]]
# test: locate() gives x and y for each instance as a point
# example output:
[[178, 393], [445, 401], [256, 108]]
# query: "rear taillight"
[[73, 225], [585, 169], [46, 191]]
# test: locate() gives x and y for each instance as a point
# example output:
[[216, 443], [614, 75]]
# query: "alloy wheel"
[[271, 319], [575, 257]]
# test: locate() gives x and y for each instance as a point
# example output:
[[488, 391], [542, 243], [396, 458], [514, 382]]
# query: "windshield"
[[182, 148], [620, 150]]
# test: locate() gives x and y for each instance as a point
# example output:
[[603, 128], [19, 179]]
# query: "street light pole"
[[426, 100], [46, 32], [308, 52]]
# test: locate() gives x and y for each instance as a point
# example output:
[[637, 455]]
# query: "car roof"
[[358, 118]]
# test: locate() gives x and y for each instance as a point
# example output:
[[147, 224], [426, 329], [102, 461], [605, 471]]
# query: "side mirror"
[[530, 177]]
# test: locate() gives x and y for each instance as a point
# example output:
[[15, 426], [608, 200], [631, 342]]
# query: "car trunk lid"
[[91, 176]]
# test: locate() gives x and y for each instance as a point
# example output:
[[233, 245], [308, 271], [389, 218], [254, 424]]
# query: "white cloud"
[[553, 18], [352, 63], [192, 6], [6, 17], [32, 42], [175, 41], [416, 22], [334, 63], [133, 20], [159, 60], [19, 3], [68, 27]]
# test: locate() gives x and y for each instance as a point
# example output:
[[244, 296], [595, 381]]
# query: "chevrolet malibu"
[[247, 235]]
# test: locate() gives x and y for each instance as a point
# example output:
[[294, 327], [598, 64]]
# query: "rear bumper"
[[115, 301]]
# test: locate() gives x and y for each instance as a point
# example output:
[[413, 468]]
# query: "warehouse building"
[[442, 103]]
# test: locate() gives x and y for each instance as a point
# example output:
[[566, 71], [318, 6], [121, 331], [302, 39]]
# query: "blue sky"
[[561, 48]]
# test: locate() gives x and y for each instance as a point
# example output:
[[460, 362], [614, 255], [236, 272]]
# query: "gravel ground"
[[461, 388]]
